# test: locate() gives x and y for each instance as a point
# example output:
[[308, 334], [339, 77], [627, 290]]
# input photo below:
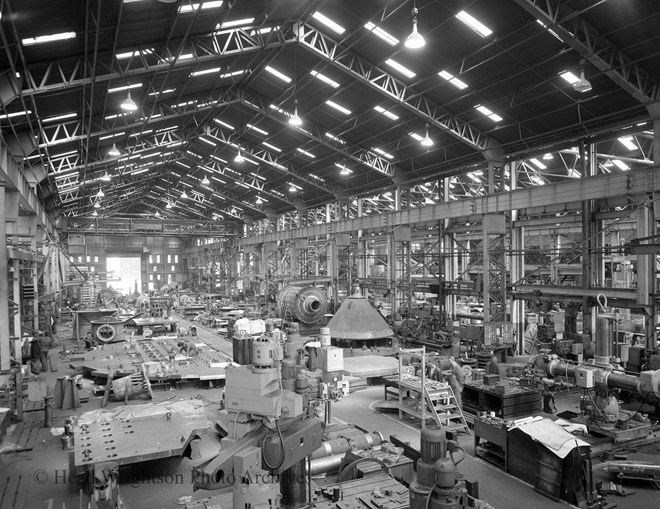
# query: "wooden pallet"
[[13, 490], [25, 436]]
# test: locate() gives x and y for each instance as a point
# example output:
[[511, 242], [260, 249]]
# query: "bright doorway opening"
[[124, 274]]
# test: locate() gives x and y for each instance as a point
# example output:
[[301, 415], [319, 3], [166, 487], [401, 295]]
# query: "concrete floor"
[[160, 484]]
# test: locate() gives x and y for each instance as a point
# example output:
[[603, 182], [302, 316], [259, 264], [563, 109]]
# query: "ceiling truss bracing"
[[209, 48], [145, 226], [383, 82], [313, 132], [594, 47]]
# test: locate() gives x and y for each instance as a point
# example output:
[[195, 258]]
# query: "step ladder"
[[445, 410]]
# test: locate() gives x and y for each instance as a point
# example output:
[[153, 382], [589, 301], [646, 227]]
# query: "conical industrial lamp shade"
[[129, 104], [415, 39]]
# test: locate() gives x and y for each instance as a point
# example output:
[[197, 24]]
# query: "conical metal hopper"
[[358, 319]]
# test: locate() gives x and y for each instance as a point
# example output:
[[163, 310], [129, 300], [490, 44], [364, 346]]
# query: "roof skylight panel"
[[489, 113], [620, 164], [338, 107], [257, 129], [43, 39], [272, 147], [278, 74], [136, 53], [459, 84], [223, 124], [387, 113], [59, 117], [382, 34], [304, 152], [538, 164], [235, 23], [335, 27], [569, 77], [381, 152], [124, 87], [210, 4], [400, 68], [627, 141], [474, 24], [325, 79]]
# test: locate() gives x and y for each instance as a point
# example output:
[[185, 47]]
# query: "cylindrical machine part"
[[324, 336], [238, 353], [433, 444], [262, 352], [292, 486], [604, 338], [620, 380], [341, 445], [306, 304], [326, 464], [48, 411]]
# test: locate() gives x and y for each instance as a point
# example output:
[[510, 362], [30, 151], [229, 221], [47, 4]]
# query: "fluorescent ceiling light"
[[124, 87], [416, 136], [205, 71], [209, 142], [15, 114], [42, 39], [385, 36], [338, 107], [325, 79], [490, 114], [400, 68], [388, 114], [113, 135], [273, 147], [550, 31], [308, 154], [136, 53], [167, 91], [258, 129], [569, 77], [547, 156], [64, 154], [627, 141], [383, 153], [236, 23], [278, 74], [474, 24], [232, 74], [453, 80], [538, 164], [265, 30], [335, 138], [620, 164], [59, 117], [205, 5], [223, 124], [335, 27]]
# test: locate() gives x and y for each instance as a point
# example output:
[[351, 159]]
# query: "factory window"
[[158, 277], [157, 258], [151, 277], [96, 259], [173, 269], [71, 258], [169, 258], [80, 259], [91, 269], [151, 258], [89, 259], [176, 258], [155, 268]]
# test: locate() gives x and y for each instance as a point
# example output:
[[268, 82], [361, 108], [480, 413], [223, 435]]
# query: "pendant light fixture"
[[106, 177], [100, 194], [97, 205], [129, 104], [295, 119], [582, 85], [183, 194], [415, 40], [293, 189], [94, 213], [259, 200], [157, 214], [426, 140], [239, 157], [114, 151], [169, 204], [205, 181]]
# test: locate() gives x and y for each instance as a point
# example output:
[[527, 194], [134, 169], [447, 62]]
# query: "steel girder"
[[594, 47], [381, 81]]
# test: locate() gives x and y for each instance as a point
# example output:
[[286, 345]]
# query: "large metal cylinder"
[[604, 338], [306, 304], [292, 486], [341, 445]]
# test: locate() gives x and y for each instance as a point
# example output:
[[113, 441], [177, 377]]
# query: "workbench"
[[361, 493], [515, 402], [496, 435]]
